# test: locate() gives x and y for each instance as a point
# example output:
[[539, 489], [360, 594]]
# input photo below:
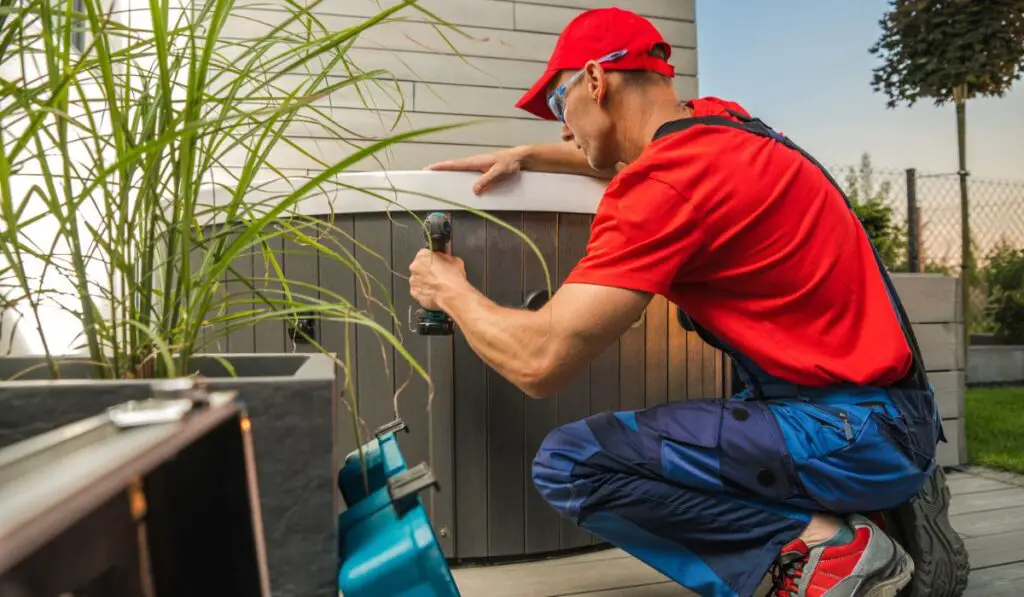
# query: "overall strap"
[[917, 375]]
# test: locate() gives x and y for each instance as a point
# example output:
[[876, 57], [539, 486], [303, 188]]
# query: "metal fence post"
[[913, 229]]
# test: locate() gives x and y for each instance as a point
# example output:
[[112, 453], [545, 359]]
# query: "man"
[[746, 234]]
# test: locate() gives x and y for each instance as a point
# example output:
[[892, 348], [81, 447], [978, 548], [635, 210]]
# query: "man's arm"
[[562, 158], [538, 351]]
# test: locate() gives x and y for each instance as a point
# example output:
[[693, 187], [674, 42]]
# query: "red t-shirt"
[[752, 241]]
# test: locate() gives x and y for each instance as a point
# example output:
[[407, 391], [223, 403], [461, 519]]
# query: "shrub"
[[1004, 278]]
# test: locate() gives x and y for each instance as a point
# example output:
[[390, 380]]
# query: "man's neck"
[[647, 117]]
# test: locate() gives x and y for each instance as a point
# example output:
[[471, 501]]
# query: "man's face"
[[587, 123]]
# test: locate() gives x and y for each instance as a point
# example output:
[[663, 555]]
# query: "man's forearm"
[[514, 342], [563, 158]]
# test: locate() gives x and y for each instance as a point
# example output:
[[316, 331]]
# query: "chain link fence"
[[932, 241]]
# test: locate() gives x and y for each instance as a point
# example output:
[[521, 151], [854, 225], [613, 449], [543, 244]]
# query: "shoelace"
[[786, 575]]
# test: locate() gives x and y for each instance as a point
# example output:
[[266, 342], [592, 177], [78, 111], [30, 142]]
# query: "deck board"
[[987, 512], [1001, 581]]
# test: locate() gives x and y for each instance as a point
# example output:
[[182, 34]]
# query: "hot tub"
[[481, 434]]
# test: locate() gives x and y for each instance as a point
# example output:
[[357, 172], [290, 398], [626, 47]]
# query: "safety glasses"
[[556, 99]]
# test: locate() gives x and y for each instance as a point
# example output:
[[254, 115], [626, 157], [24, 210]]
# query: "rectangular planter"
[[932, 302], [293, 404], [72, 497], [995, 364]]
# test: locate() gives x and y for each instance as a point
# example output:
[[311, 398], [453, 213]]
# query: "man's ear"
[[597, 81]]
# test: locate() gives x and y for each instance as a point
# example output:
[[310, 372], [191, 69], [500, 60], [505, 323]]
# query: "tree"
[[950, 51], [873, 207]]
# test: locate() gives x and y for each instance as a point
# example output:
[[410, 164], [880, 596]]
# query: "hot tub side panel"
[[481, 433]]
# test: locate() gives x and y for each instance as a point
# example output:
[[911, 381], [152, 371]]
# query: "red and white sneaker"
[[872, 565]]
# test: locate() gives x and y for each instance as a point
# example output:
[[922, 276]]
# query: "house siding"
[[502, 46]]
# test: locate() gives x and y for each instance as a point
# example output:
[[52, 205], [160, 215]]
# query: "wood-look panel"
[[633, 366], [375, 390], [710, 355], [677, 362], [574, 400], [302, 269], [337, 284], [240, 338], [605, 393], [195, 262], [604, 381], [269, 334], [469, 241], [694, 366], [505, 490], [657, 352], [441, 505], [540, 416]]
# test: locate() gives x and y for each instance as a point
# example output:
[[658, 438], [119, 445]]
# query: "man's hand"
[[496, 166], [432, 275]]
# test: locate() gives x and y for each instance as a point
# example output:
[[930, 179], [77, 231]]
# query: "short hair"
[[640, 78]]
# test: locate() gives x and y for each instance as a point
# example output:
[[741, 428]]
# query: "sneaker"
[[872, 565], [941, 563]]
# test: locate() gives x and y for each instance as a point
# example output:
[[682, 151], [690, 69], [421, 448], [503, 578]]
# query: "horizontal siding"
[[502, 48], [404, 156], [425, 37], [552, 19], [489, 101], [363, 124], [672, 9], [406, 36], [474, 13]]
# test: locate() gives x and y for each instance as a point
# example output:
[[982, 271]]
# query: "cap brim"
[[535, 101]]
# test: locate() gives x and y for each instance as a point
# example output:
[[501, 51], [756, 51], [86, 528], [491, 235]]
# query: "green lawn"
[[995, 427]]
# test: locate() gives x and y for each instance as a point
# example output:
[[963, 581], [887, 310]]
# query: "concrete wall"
[[504, 50], [995, 364], [932, 302]]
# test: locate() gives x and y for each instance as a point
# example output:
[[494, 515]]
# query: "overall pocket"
[[817, 430], [871, 473]]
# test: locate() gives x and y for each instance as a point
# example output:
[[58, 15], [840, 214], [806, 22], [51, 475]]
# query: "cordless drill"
[[436, 323]]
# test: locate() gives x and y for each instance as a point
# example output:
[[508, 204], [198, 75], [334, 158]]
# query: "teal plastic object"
[[386, 545]]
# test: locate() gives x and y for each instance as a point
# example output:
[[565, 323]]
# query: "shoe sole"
[[940, 561], [893, 581]]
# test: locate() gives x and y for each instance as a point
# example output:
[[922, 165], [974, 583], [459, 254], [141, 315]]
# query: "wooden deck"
[[987, 510]]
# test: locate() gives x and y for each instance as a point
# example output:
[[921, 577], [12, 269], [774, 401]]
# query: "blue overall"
[[709, 491]]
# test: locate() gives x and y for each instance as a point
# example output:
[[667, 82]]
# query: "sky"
[[790, 64]]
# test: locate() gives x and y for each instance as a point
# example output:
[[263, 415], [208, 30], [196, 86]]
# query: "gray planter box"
[[995, 365], [291, 400]]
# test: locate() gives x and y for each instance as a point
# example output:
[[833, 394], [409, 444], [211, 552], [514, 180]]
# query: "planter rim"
[[317, 367]]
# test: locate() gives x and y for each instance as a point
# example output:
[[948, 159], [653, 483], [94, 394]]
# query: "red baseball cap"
[[592, 35]]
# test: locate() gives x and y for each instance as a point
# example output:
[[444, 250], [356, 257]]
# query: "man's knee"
[[560, 473]]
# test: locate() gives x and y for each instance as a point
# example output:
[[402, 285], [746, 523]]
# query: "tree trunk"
[[966, 262]]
